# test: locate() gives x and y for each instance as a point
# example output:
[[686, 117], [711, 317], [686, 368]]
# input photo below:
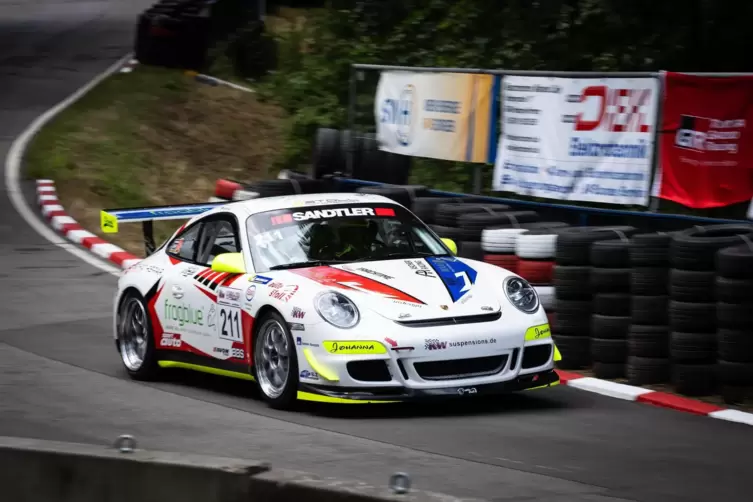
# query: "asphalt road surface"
[[60, 376]]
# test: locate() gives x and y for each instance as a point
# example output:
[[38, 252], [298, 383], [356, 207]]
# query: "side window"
[[218, 237], [184, 245]]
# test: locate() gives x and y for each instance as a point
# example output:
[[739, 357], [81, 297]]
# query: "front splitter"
[[328, 394]]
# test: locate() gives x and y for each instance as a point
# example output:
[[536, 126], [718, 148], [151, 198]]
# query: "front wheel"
[[275, 362], [135, 340]]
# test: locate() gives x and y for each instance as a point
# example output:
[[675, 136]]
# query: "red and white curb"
[[648, 396], [54, 212]]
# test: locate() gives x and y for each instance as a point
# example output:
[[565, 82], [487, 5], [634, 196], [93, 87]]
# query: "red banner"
[[707, 140]]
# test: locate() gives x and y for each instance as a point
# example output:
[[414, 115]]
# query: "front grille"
[[456, 369], [445, 321], [536, 356], [369, 371]]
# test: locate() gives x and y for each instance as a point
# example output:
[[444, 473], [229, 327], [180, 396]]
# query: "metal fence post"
[[352, 98], [655, 164]]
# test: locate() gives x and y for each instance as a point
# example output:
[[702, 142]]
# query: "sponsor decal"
[[231, 295], [456, 275], [310, 375], [342, 279], [299, 341], [392, 342], [176, 246], [465, 299], [295, 326], [250, 293], [355, 347], [264, 239], [467, 390], [298, 313], [404, 315], [285, 293], [443, 307], [434, 344], [538, 332], [275, 285], [487, 308], [409, 304], [140, 267], [375, 273], [281, 219], [420, 268], [183, 314], [212, 316], [221, 350], [171, 340], [189, 271], [237, 353], [260, 279]]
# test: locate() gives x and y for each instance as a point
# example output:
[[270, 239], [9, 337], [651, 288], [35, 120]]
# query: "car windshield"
[[343, 233]]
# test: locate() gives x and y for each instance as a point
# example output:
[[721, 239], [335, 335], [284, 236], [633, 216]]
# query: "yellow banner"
[[436, 115]]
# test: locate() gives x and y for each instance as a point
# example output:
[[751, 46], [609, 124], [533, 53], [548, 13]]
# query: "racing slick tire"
[[135, 340], [275, 362]]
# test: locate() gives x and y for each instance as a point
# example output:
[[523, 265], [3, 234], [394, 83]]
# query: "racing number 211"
[[230, 327]]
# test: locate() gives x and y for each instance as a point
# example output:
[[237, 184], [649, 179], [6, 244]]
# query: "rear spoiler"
[[111, 218]]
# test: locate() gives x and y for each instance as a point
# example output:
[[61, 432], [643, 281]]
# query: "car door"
[[182, 309], [230, 325]]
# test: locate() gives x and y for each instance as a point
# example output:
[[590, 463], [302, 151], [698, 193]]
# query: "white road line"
[[13, 163]]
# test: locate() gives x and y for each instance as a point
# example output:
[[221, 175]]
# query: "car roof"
[[301, 201]]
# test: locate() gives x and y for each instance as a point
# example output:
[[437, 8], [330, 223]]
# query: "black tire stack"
[[447, 219], [610, 321], [693, 307], [571, 328], [734, 293], [648, 336], [402, 194], [330, 154]]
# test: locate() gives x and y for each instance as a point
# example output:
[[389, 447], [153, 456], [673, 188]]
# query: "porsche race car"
[[341, 298]]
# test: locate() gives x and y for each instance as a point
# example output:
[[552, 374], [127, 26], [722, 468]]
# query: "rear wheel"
[[275, 362], [135, 339]]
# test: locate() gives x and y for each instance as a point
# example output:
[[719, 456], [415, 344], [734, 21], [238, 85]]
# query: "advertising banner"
[[436, 115], [706, 144], [577, 139]]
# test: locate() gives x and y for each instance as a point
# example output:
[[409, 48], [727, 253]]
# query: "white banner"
[[577, 139], [436, 115]]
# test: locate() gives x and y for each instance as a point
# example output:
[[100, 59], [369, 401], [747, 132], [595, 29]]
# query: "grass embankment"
[[149, 137]]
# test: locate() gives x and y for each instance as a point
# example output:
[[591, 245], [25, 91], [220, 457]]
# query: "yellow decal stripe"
[[538, 332], [206, 369], [322, 370], [308, 396], [108, 223], [557, 355], [545, 386]]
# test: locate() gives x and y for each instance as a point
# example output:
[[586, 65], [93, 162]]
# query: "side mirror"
[[450, 244], [230, 263]]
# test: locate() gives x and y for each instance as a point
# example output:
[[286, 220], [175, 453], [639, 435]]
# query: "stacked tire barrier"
[[693, 306], [610, 322], [734, 293], [179, 33], [648, 338], [331, 149], [574, 296]]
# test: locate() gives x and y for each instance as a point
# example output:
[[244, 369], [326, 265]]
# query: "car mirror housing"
[[450, 244], [230, 263]]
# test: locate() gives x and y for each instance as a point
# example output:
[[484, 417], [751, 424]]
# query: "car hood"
[[405, 290]]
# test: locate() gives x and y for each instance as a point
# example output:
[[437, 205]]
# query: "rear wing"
[[110, 219]]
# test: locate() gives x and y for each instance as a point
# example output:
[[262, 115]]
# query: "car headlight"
[[337, 309], [522, 295]]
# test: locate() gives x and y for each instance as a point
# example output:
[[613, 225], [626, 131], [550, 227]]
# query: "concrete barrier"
[[33, 470]]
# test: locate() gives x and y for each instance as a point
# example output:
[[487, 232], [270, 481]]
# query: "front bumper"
[[335, 394]]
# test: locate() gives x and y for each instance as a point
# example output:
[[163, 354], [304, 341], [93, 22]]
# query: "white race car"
[[341, 298]]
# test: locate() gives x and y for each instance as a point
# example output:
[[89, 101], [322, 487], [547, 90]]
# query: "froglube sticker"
[[457, 276]]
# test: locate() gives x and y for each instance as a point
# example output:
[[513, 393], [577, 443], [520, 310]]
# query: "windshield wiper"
[[404, 255], [304, 264]]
